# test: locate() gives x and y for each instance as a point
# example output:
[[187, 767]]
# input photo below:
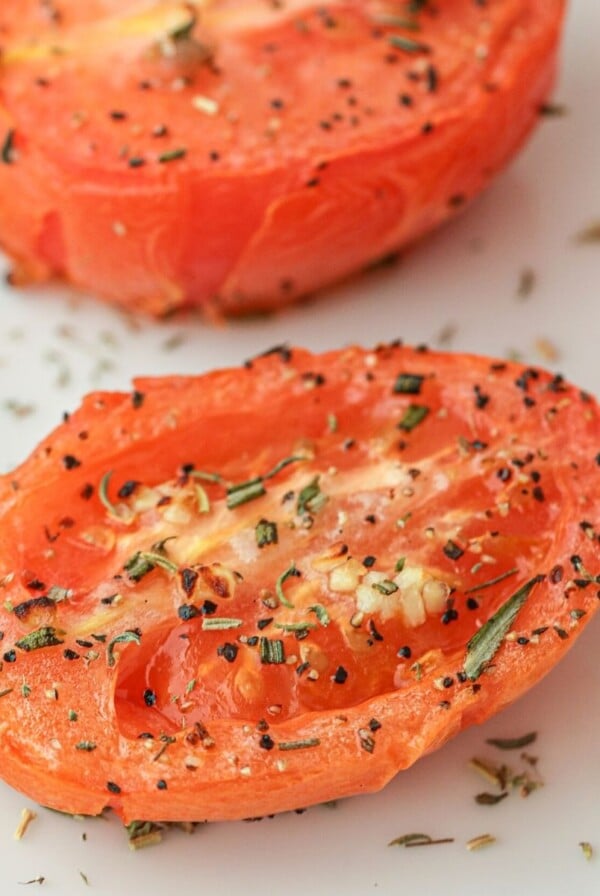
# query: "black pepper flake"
[[376, 635], [87, 491], [35, 585], [538, 493], [128, 488], [208, 607], [452, 550], [371, 518], [504, 474], [161, 784], [228, 651], [7, 154], [70, 654], [187, 612], [522, 640], [137, 399], [374, 724], [302, 668], [408, 384], [340, 675], [136, 162], [266, 742], [263, 623], [149, 697], [472, 603], [556, 574], [369, 561], [70, 462], [481, 399], [448, 681], [432, 77], [405, 652], [112, 787], [10, 656], [450, 615]]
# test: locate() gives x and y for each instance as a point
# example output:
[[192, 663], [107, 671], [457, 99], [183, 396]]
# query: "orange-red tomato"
[[236, 155], [257, 589]]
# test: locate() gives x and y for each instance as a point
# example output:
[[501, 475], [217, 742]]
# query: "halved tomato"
[[236, 155], [257, 589]]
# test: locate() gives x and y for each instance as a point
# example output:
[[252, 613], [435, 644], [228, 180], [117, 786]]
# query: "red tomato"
[[257, 589], [237, 155]]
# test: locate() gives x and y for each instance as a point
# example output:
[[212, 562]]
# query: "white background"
[[458, 290]]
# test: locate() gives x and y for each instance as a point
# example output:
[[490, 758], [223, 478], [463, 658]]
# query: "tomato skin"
[[345, 151], [455, 463]]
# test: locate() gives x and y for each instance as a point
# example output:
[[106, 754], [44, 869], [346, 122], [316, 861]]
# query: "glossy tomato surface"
[[236, 155], [266, 587]]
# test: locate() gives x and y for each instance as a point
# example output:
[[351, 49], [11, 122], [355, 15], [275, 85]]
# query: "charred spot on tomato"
[[23, 610], [189, 577]]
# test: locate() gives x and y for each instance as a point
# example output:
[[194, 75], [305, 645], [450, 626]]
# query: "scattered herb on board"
[[589, 234], [513, 743], [527, 281], [419, 840], [586, 849], [479, 842], [27, 816]]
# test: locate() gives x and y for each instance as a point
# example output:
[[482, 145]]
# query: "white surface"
[[459, 289]]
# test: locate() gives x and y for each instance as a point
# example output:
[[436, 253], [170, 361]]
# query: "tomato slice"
[[236, 155], [248, 591]]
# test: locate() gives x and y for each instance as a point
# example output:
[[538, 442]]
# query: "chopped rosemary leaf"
[[246, 491], [202, 499], [385, 587], [218, 623], [490, 582], [207, 477], [143, 562], [418, 840], [173, 154], [127, 637], [414, 414], [295, 626], [299, 744], [482, 647], [272, 651], [408, 383], [266, 533], [512, 743], [311, 499], [321, 613], [290, 571], [407, 45], [480, 841]]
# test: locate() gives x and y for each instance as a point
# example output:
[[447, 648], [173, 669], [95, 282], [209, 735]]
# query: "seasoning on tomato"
[[239, 154], [228, 607]]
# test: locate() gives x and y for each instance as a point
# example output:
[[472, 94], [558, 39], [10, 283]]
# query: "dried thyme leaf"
[[589, 234], [482, 647], [490, 799], [512, 743], [42, 637], [419, 840], [586, 849], [127, 637]]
